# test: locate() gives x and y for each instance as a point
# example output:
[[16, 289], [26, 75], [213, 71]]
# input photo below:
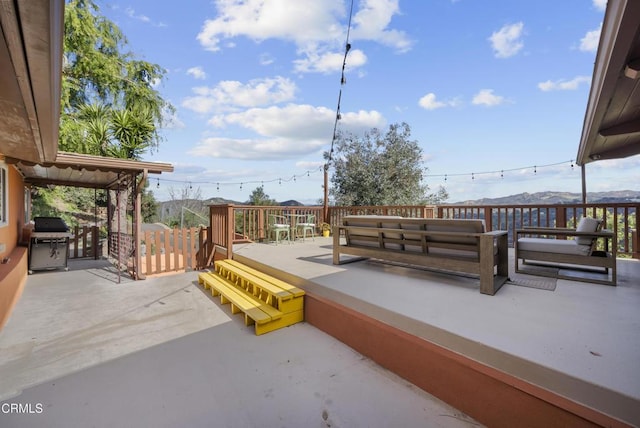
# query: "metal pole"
[[584, 184], [119, 240], [325, 207]]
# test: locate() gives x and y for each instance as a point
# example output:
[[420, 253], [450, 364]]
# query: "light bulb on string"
[[535, 169], [218, 187], [445, 178], [502, 174], [473, 177], [158, 185], [240, 186]]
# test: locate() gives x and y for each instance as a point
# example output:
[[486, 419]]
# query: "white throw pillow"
[[587, 224]]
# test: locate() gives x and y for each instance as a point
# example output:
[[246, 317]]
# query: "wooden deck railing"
[[245, 223], [85, 243], [409, 211], [173, 250]]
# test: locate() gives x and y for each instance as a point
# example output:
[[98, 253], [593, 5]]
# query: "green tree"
[[109, 102], [380, 169], [258, 197]]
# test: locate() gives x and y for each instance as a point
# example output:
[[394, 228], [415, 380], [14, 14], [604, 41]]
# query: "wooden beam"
[[624, 128]]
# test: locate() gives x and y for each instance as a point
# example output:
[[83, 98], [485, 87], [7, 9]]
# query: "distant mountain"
[[291, 203], [220, 201], [558, 198]]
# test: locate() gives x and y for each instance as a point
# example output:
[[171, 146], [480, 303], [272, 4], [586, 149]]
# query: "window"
[[4, 188]]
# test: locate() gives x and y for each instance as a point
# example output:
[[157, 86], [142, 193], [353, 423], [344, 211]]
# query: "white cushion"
[[557, 246], [587, 224]]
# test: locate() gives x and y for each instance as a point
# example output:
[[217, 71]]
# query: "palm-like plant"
[[133, 131]]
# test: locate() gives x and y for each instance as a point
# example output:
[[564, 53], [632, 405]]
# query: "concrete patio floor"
[[81, 349]]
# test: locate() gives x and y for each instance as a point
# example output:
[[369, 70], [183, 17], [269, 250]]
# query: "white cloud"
[[329, 62], [487, 98], [197, 72], [563, 85], [507, 41], [429, 102], [266, 59], [229, 94], [293, 20], [600, 4], [371, 22], [131, 13], [282, 132], [317, 28], [589, 43]]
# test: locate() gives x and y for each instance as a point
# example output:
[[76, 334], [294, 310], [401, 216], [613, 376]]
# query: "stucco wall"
[[13, 260]]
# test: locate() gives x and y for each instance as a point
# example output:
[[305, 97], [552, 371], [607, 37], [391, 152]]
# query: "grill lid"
[[49, 224]]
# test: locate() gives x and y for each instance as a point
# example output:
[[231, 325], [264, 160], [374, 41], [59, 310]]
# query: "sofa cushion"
[[587, 224]]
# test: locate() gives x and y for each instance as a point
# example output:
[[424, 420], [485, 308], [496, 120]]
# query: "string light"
[[501, 172], [294, 178], [343, 81]]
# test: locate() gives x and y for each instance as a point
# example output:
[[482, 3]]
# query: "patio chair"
[[578, 253], [278, 227], [307, 225]]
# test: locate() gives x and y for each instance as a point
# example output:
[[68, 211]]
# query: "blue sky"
[[495, 91]]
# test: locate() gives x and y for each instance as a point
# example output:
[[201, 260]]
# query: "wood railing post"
[[230, 231], [261, 222], [488, 218], [561, 216]]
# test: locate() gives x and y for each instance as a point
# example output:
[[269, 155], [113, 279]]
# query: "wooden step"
[[281, 295], [256, 311]]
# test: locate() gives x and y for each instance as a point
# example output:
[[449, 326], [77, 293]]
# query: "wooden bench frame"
[[478, 258], [606, 260]]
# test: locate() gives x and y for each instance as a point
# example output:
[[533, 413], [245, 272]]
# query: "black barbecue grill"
[[49, 244]]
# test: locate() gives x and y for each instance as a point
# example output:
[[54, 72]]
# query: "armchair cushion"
[[556, 246], [587, 224]]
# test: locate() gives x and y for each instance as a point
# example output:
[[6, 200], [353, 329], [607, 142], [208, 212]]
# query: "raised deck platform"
[[563, 357]]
